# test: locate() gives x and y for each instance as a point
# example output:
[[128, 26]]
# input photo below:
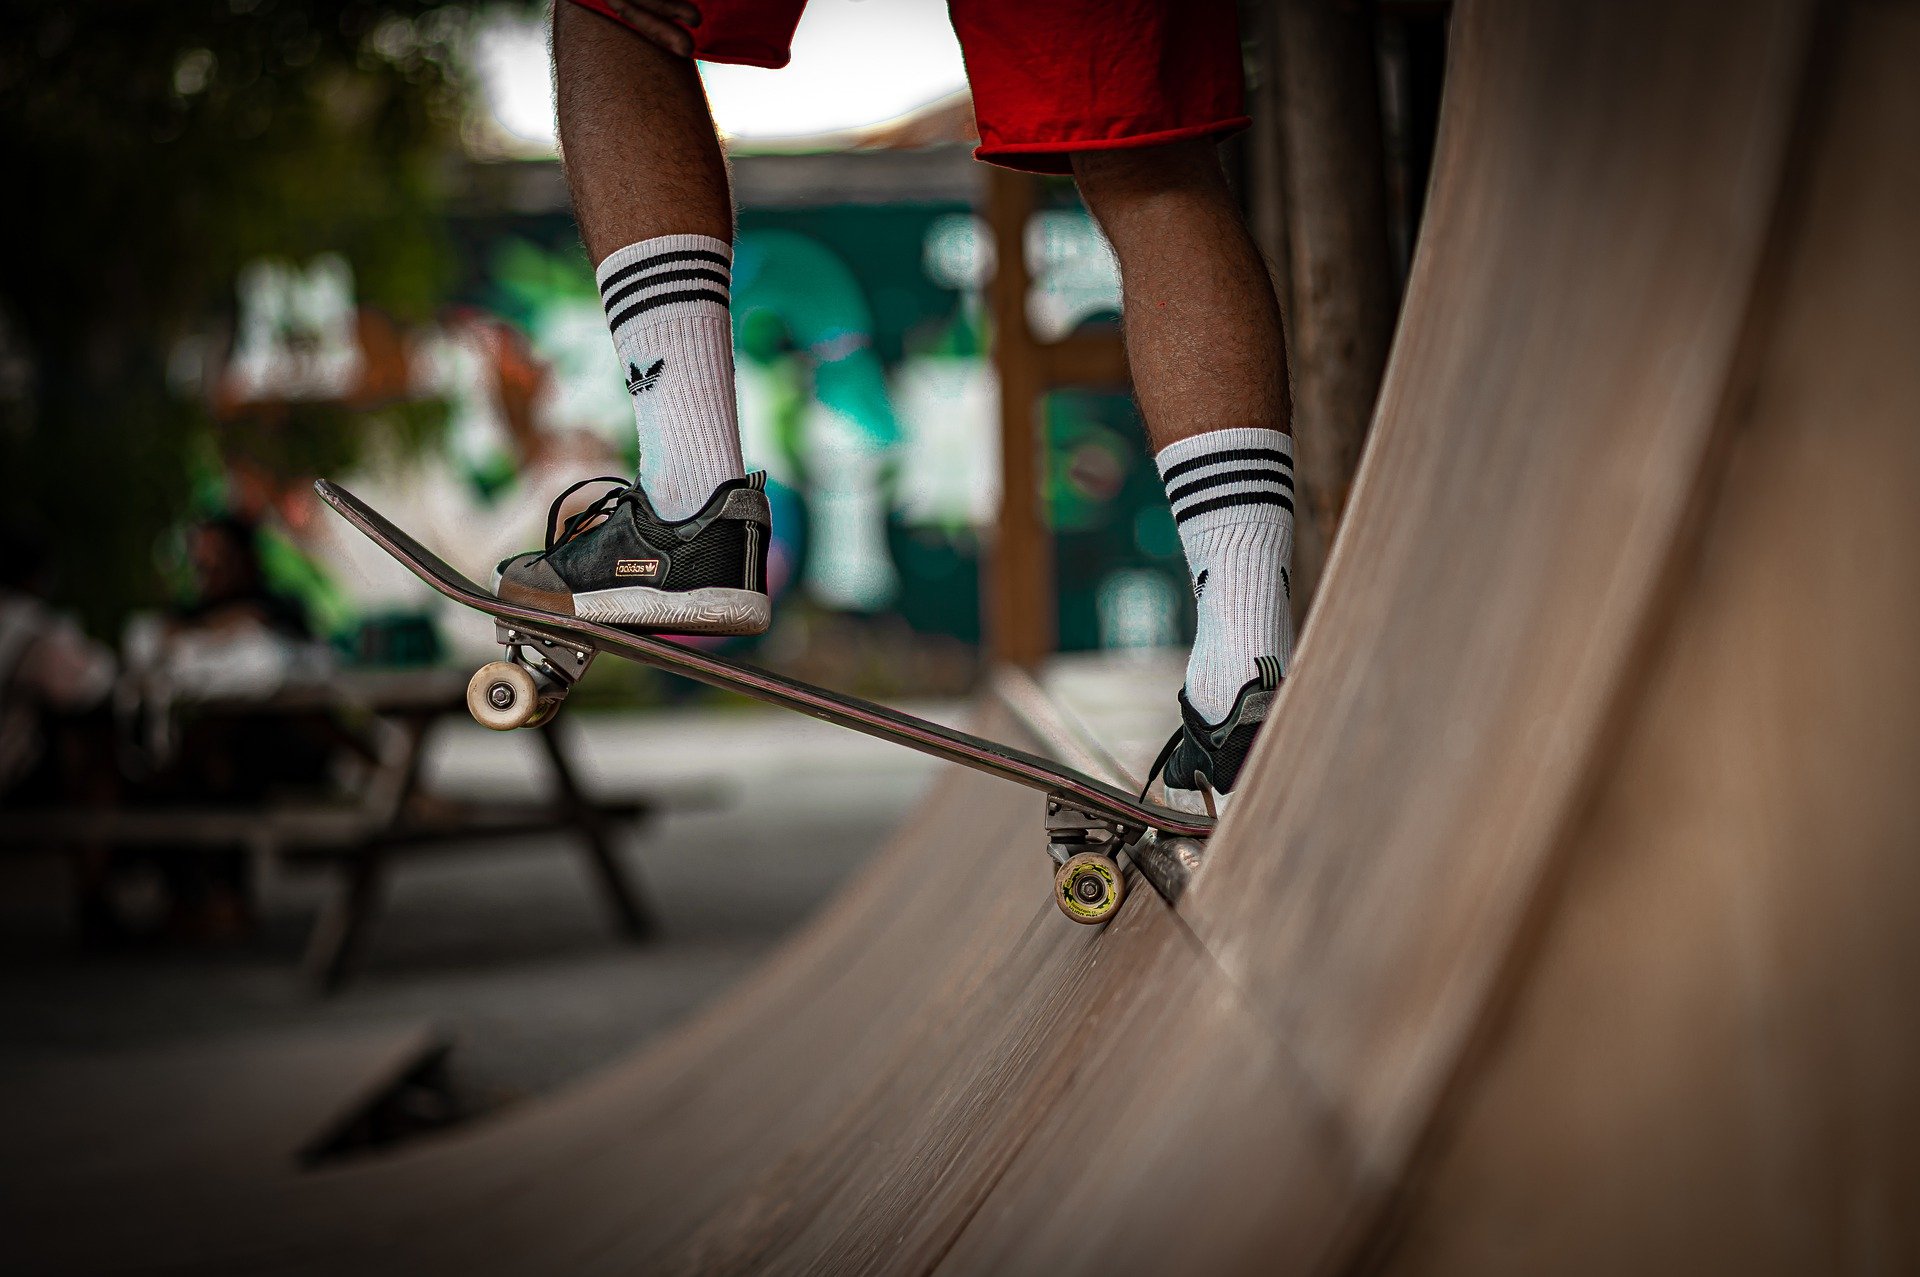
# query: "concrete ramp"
[[1571, 918]]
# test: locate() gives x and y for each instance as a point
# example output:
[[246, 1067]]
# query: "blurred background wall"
[[280, 239]]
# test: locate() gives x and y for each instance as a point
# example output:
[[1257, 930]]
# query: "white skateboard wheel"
[[502, 696]]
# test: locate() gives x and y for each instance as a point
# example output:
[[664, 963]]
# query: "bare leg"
[[1210, 373], [636, 136], [651, 197], [1202, 326]]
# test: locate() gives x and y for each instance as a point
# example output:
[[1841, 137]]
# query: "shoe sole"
[[1192, 803], [709, 610]]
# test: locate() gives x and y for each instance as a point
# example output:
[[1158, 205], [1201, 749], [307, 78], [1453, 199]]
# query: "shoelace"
[[1166, 752], [1270, 677], [579, 523]]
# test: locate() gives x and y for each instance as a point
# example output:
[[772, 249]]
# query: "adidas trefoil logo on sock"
[[638, 381], [1200, 584], [1286, 583]]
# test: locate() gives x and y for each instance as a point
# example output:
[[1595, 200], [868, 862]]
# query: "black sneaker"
[[1201, 763], [619, 563]]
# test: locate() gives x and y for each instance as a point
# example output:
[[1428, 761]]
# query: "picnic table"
[[382, 716]]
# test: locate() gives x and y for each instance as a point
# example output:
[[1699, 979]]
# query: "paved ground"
[[505, 948]]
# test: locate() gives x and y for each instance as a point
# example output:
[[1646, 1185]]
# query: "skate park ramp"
[[1570, 917]]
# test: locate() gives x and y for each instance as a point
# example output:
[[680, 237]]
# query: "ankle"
[[667, 307], [1231, 493]]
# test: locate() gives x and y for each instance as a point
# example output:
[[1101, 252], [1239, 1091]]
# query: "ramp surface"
[[1569, 919]]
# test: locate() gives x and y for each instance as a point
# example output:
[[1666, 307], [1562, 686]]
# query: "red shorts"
[[1049, 76]]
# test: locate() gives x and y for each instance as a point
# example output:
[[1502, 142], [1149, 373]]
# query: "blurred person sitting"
[[56, 736], [53, 677], [205, 678], [1130, 97], [230, 589], [232, 636]]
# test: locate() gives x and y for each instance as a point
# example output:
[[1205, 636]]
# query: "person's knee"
[[583, 43], [1110, 178], [586, 39]]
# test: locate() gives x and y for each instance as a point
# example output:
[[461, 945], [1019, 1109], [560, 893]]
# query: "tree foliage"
[[158, 145]]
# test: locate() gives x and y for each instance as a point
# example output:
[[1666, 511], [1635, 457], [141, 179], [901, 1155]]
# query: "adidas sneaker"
[[619, 563]]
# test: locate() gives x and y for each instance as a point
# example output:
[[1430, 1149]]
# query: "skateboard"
[[1090, 824]]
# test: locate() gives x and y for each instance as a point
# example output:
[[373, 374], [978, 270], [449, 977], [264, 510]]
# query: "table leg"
[[629, 903], [337, 945]]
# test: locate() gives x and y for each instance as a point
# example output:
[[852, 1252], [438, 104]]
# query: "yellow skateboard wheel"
[[1089, 888]]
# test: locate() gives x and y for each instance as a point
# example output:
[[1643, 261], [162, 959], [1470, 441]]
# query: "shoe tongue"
[[637, 494], [1199, 722]]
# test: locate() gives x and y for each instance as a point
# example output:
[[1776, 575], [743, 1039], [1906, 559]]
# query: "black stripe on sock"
[[646, 304], [1233, 499], [661, 259], [1228, 454], [1201, 484], [670, 277]]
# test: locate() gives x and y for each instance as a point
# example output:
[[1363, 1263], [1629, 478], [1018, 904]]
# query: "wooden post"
[[1018, 607], [1318, 131]]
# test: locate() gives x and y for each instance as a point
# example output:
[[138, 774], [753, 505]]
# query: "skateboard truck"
[[525, 689], [1088, 886]]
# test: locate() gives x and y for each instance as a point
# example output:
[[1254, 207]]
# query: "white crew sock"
[[1232, 497], [666, 302]]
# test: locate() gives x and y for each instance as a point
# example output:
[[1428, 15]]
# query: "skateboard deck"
[[1090, 823]]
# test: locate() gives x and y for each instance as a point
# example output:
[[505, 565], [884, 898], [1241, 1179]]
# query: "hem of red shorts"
[[771, 61], [749, 55], [1052, 157]]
